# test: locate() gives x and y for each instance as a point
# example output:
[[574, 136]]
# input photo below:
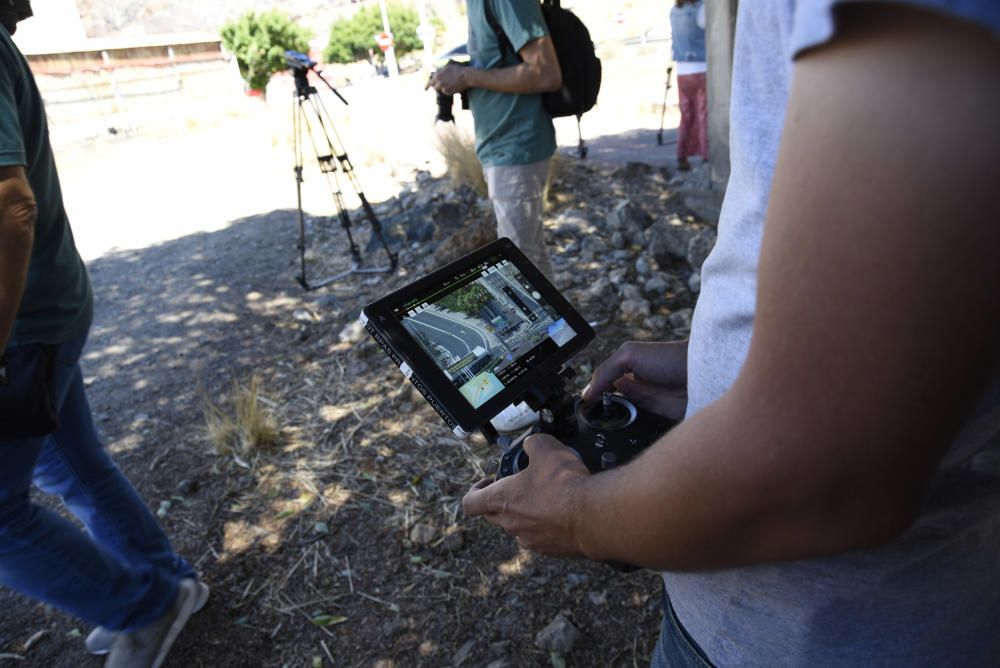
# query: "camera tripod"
[[332, 158]]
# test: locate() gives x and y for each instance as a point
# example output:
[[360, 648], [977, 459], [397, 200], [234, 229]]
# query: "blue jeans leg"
[[103, 578], [675, 648]]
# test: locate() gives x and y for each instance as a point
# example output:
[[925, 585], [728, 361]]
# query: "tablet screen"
[[484, 327]]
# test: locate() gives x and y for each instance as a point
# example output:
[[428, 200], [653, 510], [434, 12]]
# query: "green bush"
[[351, 38], [259, 41]]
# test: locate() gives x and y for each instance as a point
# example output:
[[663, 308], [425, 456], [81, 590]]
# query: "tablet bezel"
[[380, 315]]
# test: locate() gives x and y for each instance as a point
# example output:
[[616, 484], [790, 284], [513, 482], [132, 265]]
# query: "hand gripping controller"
[[603, 433]]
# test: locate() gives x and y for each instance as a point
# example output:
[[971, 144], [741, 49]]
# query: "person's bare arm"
[[877, 326], [538, 72], [18, 212]]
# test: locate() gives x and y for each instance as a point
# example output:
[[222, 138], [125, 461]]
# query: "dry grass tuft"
[[459, 152], [243, 424]]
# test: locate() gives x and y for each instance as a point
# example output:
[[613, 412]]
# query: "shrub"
[[242, 424], [459, 152], [259, 41], [351, 38]]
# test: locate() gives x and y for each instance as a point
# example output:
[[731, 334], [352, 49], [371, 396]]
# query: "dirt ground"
[[346, 544]]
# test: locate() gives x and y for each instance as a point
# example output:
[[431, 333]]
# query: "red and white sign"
[[384, 40]]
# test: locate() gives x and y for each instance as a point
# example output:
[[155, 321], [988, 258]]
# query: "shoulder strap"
[[491, 20]]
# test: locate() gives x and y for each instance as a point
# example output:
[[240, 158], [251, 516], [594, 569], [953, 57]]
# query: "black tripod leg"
[[663, 109], [301, 278], [297, 112]]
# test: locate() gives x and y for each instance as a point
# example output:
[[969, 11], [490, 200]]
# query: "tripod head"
[[301, 64]]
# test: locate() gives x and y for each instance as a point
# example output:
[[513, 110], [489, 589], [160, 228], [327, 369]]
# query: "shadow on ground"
[[312, 551]]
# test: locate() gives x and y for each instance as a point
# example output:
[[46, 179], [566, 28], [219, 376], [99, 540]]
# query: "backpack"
[[581, 68]]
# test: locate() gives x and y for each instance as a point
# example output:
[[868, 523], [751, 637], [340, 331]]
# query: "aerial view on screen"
[[487, 329]]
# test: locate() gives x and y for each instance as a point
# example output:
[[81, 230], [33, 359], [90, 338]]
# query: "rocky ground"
[[345, 544]]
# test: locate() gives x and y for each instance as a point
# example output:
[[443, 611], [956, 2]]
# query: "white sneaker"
[[514, 418], [100, 639], [148, 647]]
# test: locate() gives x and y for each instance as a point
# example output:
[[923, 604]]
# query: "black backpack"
[[581, 68]]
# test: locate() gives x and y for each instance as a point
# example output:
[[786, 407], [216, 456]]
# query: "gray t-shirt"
[[932, 597]]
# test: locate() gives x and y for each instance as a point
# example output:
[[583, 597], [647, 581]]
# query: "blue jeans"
[[675, 648], [124, 574]]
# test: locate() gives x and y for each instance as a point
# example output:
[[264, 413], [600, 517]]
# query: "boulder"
[[559, 636], [667, 241]]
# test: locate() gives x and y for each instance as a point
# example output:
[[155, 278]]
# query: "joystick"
[[604, 433]]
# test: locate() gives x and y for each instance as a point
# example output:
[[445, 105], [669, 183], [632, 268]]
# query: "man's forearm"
[[520, 79], [17, 225], [710, 494]]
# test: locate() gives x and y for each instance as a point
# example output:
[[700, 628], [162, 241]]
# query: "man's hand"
[[652, 375], [536, 506], [449, 80], [538, 72]]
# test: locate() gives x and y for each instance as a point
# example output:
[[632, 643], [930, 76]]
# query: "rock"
[[352, 333], [631, 292], [618, 240], [633, 171], [570, 224], [498, 663], [464, 241], [656, 286], [305, 315], [592, 247], [453, 539], [506, 625], [667, 241], [598, 597], [707, 204], [463, 653], [621, 255], [601, 288], [694, 282], [187, 487], [419, 227], [574, 580], [390, 207], [680, 320], [627, 214], [394, 627], [423, 534], [559, 636], [699, 247], [449, 215], [618, 276], [634, 309], [643, 266], [663, 285], [656, 323]]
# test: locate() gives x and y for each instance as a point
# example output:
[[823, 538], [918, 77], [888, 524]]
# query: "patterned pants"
[[692, 136]]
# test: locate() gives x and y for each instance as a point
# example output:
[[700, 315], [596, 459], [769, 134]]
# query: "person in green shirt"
[[515, 138]]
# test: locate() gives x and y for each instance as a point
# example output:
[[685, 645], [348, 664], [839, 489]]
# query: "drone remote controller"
[[605, 433]]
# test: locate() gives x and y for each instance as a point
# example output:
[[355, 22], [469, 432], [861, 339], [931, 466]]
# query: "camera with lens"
[[445, 102]]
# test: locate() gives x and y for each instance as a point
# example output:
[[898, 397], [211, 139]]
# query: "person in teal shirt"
[[122, 575], [515, 138]]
